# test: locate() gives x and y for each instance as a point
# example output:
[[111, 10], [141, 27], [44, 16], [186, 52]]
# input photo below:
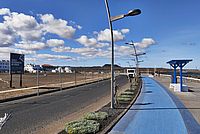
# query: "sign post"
[[16, 66], [20, 80], [38, 90], [10, 80]]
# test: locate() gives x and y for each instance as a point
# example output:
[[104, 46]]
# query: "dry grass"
[[49, 82]]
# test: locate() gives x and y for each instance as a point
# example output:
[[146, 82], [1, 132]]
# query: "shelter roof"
[[179, 61]]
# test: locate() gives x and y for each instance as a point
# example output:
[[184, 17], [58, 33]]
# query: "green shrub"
[[82, 127], [124, 96], [95, 116], [134, 83], [126, 93], [123, 99], [134, 86]]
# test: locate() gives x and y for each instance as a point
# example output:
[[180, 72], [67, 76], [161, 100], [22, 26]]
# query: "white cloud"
[[122, 50], [13, 50], [31, 35], [61, 49], [188, 43], [31, 32], [21, 21], [55, 42], [4, 11], [77, 59], [51, 59], [125, 30], [104, 54], [18, 24], [5, 52], [88, 52], [28, 28], [91, 52], [31, 45], [81, 58], [92, 42], [49, 56], [87, 42], [74, 24], [29, 60], [126, 50], [4, 56], [102, 45], [95, 32], [79, 27], [145, 43], [7, 36], [105, 35], [59, 26]]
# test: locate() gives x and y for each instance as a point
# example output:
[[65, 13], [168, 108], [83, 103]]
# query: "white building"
[[32, 68], [68, 69], [48, 68], [4, 66], [59, 69]]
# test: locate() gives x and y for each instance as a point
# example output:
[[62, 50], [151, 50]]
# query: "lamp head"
[[134, 12]]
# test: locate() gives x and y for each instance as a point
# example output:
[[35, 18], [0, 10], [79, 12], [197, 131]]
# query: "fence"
[[40, 82]]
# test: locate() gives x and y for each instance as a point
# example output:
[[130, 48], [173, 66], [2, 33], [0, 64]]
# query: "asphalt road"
[[32, 114]]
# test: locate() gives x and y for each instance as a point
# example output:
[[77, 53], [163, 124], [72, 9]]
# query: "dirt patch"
[[47, 81]]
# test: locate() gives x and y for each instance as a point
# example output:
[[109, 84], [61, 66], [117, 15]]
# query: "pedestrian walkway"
[[191, 99], [156, 111]]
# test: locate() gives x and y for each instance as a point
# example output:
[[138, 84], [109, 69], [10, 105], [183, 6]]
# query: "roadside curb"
[[114, 122], [46, 92]]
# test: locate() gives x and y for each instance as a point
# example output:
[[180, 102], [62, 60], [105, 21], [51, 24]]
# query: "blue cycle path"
[[155, 112]]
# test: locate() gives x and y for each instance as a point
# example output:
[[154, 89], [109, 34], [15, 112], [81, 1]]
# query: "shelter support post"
[[174, 75], [181, 82], [181, 64]]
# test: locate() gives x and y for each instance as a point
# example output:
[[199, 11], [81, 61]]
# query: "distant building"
[[32, 68], [4, 66], [59, 69], [68, 69], [54, 71], [47, 68]]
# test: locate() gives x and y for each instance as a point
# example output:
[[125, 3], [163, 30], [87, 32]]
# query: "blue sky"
[[76, 32]]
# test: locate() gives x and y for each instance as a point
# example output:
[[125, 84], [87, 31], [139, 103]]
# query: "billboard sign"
[[16, 63]]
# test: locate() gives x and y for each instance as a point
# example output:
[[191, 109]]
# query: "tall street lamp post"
[[111, 19], [136, 57]]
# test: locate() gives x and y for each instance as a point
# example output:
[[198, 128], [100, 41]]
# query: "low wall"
[[185, 79]]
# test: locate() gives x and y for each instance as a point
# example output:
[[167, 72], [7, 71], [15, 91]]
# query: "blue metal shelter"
[[181, 64]]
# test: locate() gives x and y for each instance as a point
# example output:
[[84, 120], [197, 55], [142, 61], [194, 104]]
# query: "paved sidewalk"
[[156, 111], [190, 99]]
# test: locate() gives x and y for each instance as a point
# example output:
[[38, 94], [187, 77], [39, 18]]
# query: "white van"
[[130, 73]]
